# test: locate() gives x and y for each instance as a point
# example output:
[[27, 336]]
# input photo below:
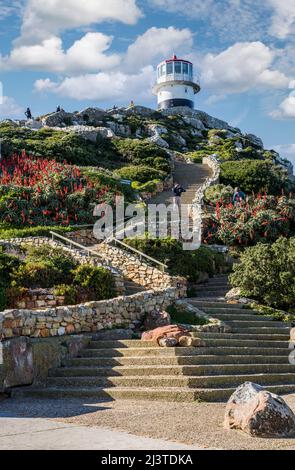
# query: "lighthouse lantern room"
[[175, 84]]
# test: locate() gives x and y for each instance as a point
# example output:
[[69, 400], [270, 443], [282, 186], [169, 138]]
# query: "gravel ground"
[[198, 424]]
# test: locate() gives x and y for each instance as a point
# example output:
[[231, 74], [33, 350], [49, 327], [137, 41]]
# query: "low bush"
[[180, 263], [8, 264], [141, 173], [266, 273], [70, 293], [185, 317], [219, 193], [98, 279], [254, 175]]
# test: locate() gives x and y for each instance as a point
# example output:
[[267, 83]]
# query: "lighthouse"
[[175, 84]]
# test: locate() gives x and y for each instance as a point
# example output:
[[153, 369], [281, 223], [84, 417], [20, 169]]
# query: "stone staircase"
[[255, 350]]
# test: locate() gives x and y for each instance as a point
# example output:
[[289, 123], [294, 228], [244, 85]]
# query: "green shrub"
[[267, 273], [62, 261], [254, 175], [182, 316], [219, 192], [98, 279], [8, 264], [6, 232], [37, 274], [180, 263], [141, 173], [3, 299], [148, 187], [70, 293]]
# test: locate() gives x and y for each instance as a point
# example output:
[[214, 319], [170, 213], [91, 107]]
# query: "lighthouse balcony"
[[177, 79]]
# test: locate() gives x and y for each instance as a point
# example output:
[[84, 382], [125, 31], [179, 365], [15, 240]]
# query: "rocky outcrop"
[[119, 129], [156, 133], [58, 119], [259, 413], [91, 116], [88, 132], [208, 121], [256, 141]]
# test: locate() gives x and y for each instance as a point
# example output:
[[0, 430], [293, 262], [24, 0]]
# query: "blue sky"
[[78, 53]]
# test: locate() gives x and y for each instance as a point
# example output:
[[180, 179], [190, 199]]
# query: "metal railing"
[[90, 251], [141, 255]]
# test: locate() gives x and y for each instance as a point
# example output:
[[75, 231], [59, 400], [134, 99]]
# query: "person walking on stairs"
[[177, 191]]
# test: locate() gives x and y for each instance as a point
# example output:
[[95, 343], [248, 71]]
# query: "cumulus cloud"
[[283, 19], [242, 67], [9, 108], [157, 43], [286, 109], [86, 54], [43, 19], [115, 86]]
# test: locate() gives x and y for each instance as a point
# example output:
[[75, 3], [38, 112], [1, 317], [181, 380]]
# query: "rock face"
[[259, 413], [18, 362], [92, 116], [155, 319], [58, 119], [155, 132], [255, 140]]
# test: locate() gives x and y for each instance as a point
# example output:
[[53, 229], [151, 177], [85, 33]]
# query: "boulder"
[[254, 140], [91, 116], [18, 362], [195, 123], [155, 319], [58, 119], [254, 410], [119, 129], [140, 110], [33, 124], [172, 335]]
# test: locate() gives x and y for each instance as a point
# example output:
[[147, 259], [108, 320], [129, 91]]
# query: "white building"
[[175, 84]]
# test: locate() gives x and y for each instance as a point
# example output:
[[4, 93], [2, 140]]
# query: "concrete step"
[[236, 316], [146, 352], [204, 359], [251, 336], [257, 324], [190, 370], [217, 304], [249, 343], [124, 343], [210, 288], [233, 310], [152, 394], [262, 330], [161, 381]]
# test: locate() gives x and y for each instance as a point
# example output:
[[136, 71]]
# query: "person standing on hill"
[[28, 113]]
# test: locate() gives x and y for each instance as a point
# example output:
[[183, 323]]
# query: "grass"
[[183, 316]]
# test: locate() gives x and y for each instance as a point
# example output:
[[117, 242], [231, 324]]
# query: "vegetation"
[[219, 193], [260, 219], [141, 173], [256, 176], [189, 264], [183, 316], [267, 274], [48, 267]]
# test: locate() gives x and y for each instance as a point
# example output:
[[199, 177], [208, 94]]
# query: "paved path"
[[188, 175], [19, 433]]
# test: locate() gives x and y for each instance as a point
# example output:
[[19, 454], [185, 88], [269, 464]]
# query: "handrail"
[[141, 254], [72, 243], [163, 266]]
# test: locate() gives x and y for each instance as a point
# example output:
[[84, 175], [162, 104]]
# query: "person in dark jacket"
[[28, 113], [177, 191], [239, 196]]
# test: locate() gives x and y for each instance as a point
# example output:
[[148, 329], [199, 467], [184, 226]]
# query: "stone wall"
[[124, 311], [37, 298], [140, 272]]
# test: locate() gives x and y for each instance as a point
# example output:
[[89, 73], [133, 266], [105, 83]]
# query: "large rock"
[[156, 318], [88, 132], [140, 110], [256, 411], [256, 141], [58, 119], [91, 116], [33, 124], [119, 129], [18, 362]]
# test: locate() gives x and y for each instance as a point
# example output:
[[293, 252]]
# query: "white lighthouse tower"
[[175, 84]]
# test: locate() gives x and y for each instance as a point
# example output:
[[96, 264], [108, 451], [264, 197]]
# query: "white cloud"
[[86, 54], [43, 19], [9, 108], [102, 87], [158, 43], [283, 19], [286, 109], [13, 7], [241, 67]]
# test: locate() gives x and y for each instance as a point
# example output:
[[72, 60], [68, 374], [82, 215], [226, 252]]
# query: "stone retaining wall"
[[37, 298], [125, 311]]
